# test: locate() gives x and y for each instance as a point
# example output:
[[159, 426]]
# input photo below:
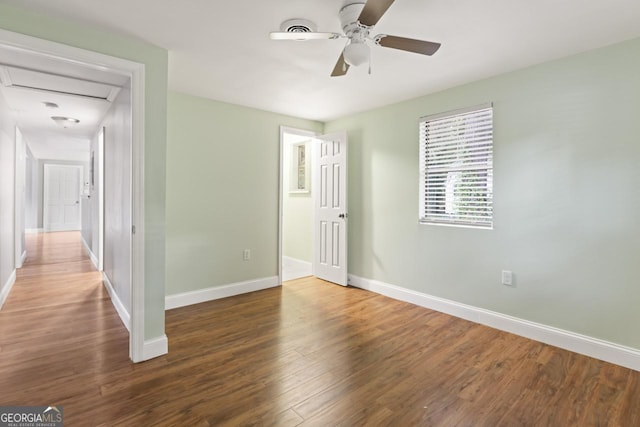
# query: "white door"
[[61, 197], [329, 186]]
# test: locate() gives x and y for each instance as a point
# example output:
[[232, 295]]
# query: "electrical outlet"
[[246, 254], [507, 278]]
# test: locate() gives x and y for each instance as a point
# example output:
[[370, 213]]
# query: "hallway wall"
[[31, 196], [117, 196], [7, 201]]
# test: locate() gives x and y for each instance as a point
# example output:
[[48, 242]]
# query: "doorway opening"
[[313, 206], [79, 75], [296, 204]]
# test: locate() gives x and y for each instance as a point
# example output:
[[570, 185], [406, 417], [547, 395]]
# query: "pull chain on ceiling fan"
[[357, 19]]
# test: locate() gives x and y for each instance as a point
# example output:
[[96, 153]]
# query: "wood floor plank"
[[308, 353]]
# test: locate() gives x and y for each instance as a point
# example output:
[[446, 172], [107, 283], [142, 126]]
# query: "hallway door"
[[61, 197], [330, 208]]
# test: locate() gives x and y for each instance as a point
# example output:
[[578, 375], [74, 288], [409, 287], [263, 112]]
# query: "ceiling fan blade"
[[409, 45], [301, 36], [341, 67], [373, 11]]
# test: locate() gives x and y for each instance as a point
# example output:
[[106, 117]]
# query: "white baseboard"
[[578, 343], [293, 268], [217, 292], [155, 347], [117, 303], [34, 230], [6, 288], [94, 259]]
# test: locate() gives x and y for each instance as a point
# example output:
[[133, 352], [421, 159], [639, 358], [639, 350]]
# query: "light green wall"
[[297, 212], [155, 60], [566, 197], [222, 192]]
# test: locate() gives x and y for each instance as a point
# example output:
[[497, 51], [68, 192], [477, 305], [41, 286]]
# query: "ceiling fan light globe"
[[356, 54]]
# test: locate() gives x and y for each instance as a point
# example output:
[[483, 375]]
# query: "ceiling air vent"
[[298, 26]]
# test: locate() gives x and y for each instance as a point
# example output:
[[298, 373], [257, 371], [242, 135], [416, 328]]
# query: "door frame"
[[281, 190], [100, 181], [136, 72], [19, 181], [45, 192]]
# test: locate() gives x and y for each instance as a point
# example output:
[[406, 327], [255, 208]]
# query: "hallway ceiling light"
[[65, 122], [50, 104]]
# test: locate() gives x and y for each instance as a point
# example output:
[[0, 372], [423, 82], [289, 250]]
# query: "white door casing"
[[61, 207], [330, 208], [20, 198], [99, 168]]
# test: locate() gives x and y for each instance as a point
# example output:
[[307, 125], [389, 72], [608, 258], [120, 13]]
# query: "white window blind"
[[456, 167]]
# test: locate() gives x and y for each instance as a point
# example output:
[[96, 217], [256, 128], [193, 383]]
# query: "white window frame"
[[446, 157]]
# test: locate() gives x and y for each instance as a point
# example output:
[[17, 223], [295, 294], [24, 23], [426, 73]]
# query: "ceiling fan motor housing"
[[349, 17], [356, 52]]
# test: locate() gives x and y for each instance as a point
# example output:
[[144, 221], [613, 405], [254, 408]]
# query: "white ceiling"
[[29, 80], [221, 50]]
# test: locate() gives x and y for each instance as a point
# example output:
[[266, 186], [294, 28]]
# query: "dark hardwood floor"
[[309, 353]]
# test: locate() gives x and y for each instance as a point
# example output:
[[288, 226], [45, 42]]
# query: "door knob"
[[342, 215]]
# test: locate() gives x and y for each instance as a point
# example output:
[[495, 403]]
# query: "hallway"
[[57, 307]]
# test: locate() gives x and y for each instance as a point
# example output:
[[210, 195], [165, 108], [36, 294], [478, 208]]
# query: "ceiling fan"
[[357, 19]]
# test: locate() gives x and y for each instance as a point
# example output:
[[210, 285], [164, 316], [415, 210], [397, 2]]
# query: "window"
[[456, 167]]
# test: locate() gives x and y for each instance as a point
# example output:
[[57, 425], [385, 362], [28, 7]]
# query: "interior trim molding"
[[217, 292], [6, 288], [117, 303], [23, 257], [294, 268], [94, 259], [155, 347], [578, 343], [34, 230]]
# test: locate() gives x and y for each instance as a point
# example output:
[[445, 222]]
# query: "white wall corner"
[[578, 343], [23, 257], [117, 303], [155, 347], [217, 292], [6, 288]]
